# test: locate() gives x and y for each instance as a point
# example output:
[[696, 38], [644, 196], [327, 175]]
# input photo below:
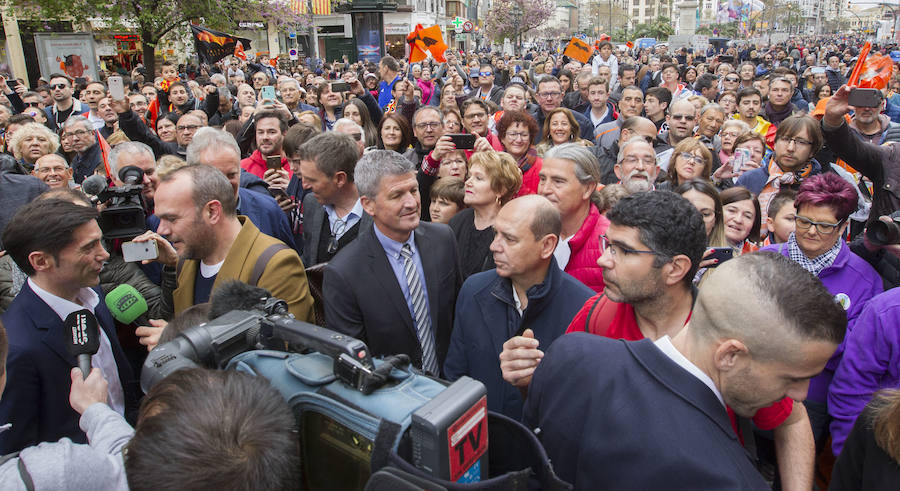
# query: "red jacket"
[[585, 246], [256, 164], [530, 176]]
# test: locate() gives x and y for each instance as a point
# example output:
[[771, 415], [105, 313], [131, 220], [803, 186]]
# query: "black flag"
[[212, 46]]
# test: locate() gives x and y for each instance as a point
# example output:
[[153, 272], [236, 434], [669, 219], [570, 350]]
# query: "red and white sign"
[[467, 438], [467, 26]]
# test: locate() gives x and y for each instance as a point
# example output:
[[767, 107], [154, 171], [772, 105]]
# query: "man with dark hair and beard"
[[210, 244]]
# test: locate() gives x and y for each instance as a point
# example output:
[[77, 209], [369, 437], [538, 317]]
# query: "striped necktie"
[[421, 316]]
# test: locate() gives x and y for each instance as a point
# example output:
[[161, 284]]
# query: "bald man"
[[53, 170], [613, 411], [527, 290]]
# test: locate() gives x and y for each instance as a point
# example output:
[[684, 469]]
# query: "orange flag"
[[239, 51], [579, 50], [426, 40], [876, 72]]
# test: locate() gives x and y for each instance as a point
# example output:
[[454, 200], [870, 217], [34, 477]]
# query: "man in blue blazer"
[[394, 287], [62, 258]]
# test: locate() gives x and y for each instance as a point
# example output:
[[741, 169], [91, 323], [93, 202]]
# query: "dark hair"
[[451, 189], [747, 92], [297, 135], [332, 152], [390, 62], [668, 224], [21, 118], [58, 221], [828, 189], [716, 237], [369, 129], [661, 94], [405, 130], [704, 81], [173, 117], [66, 194], [475, 101], [510, 118], [738, 193], [213, 429], [189, 317], [784, 196], [793, 125], [624, 68], [282, 123]]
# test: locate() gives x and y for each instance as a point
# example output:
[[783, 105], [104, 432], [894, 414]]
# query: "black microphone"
[[82, 338], [93, 186], [235, 295]]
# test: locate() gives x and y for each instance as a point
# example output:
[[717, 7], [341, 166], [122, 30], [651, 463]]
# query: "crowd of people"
[[660, 262]]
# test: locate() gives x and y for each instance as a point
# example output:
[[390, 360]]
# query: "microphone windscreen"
[[94, 185], [125, 303], [235, 295], [82, 333]]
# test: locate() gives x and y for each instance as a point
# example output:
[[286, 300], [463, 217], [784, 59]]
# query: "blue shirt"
[[392, 249], [384, 92]]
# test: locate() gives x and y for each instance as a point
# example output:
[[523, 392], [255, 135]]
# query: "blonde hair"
[[501, 169], [168, 164], [32, 129]]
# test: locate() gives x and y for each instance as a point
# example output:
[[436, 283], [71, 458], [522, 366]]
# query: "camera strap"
[[263, 260]]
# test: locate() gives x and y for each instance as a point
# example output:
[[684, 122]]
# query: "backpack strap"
[[587, 321], [602, 316], [263, 260]]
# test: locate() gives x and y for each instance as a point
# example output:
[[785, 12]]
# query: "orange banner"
[[579, 50], [426, 40]]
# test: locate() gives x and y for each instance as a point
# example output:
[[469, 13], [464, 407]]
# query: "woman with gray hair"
[[569, 178], [31, 142]]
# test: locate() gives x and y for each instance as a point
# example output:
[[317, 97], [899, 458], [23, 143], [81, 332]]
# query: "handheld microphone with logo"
[[127, 305], [82, 337], [93, 186]]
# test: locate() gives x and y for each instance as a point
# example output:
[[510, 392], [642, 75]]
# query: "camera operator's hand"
[[88, 391], [149, 335], [167, 255], [519, 358]]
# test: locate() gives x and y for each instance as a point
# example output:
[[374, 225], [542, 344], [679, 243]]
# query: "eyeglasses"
[[190, 127], [486, 74], [78, 133], [633, 160], [59, 86], [336, 229], [518, 136], [549, 95], [684, 117], [618, 250], [47, 170], [451, 124], [475, 116], [732, 79], [431, 125], [32, 104], [691, 158], [796, 141], [823, 228]]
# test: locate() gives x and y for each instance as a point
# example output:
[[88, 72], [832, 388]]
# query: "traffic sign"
[[458, 22], [467, 26], [292, 53]]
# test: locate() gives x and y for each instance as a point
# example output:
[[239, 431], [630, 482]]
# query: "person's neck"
[[599, 111], [685, 343], [225, 237], [390, 76], [673, 140], [868, 128], [535, 276], [573, 222], [330, 111], [65, 291], [665, 314], [485, 215], [393, 235], [64, 105], [346, 200], [751, 121], [486, 89]]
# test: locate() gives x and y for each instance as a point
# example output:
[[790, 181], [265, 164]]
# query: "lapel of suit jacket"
[[45, 319], [313, 216], [431, 266], [380, 269], [238, 254], [183, 296]]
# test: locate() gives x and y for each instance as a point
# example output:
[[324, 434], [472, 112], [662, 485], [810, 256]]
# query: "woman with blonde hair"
[[31, 142], [690, 160], [494, 178]]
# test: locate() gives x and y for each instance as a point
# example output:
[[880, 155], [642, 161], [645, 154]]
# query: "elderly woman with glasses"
[[824, 204], [517, 131]]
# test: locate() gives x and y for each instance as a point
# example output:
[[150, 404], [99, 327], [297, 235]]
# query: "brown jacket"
[[284, 276]]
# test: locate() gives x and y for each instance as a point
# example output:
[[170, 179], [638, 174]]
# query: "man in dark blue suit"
[[527, 293], [394, 287], [62, 258]]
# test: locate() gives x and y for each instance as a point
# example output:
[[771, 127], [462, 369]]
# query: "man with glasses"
[[53, 170], [550, 97], [651, 251], [681, 118], [332, 212], [608, 157], [134, 128], [88, 156], [732, 82], [487, 91], [63, 103]]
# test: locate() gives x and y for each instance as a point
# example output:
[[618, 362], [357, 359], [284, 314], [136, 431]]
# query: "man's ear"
[[548, 245], [731, 354], [676, 269], [367, 204], [41, 261]]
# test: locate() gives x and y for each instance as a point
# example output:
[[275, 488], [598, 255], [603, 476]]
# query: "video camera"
[[124, 216], [356, 414]]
